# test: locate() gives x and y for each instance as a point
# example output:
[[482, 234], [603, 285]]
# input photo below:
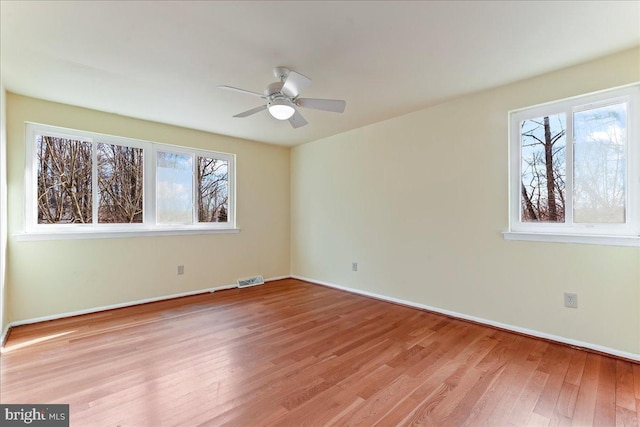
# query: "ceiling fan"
[[283, 98]]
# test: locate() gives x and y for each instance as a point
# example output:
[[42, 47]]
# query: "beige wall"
[[420, 202], [53, 277]]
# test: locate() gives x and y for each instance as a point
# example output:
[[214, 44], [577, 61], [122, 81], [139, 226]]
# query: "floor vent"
[[251, 281]]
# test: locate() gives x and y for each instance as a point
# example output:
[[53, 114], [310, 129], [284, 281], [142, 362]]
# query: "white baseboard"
[[525, 331], [5, 333], [273, 279], [121, 305]]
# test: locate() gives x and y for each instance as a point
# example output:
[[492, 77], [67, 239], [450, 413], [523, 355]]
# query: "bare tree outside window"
[[120, 186], [543, 145], [213, 194], [64, 180]]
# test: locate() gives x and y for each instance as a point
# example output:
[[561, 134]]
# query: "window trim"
[[608, 234], [149, 226]]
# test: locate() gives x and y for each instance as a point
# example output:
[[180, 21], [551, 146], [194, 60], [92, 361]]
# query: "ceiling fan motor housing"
[[274, 89]]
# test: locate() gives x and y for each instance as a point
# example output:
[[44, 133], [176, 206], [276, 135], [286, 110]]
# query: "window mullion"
[[633, 166], [231, 190], [194, 193], [568, 210], [149, 186], [94, 183], [31, 178]]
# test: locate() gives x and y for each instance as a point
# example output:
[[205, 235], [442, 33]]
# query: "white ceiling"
[[162, 60]]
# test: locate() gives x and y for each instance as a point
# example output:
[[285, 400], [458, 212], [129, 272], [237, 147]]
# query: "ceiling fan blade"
[[297, 120], [252, 111], [294, 84], [248, 92], [333, 105]]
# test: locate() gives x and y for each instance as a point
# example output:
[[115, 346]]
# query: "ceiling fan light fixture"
[[281, 109], [283, 98]]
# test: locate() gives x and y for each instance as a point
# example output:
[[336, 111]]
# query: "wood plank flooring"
[[294, 353]]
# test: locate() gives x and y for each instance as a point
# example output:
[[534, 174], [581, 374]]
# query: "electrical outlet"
[[570, 300], [180, 270], [354, 266]]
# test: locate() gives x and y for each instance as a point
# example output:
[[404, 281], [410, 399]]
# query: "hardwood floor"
[[294, 353]]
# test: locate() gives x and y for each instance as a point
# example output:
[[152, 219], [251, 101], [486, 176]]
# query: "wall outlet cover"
[[570, 300]]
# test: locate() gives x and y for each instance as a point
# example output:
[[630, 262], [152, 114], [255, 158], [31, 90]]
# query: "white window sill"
[[573, 238], [21, 237]]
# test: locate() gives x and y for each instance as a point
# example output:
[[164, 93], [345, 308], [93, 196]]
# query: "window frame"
[[149, 225], [570, 106]]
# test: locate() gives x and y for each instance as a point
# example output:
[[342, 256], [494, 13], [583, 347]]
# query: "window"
[[213, 189], [64, 168], [120, 183], [81, 182], [174, 190], [574, 166]]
